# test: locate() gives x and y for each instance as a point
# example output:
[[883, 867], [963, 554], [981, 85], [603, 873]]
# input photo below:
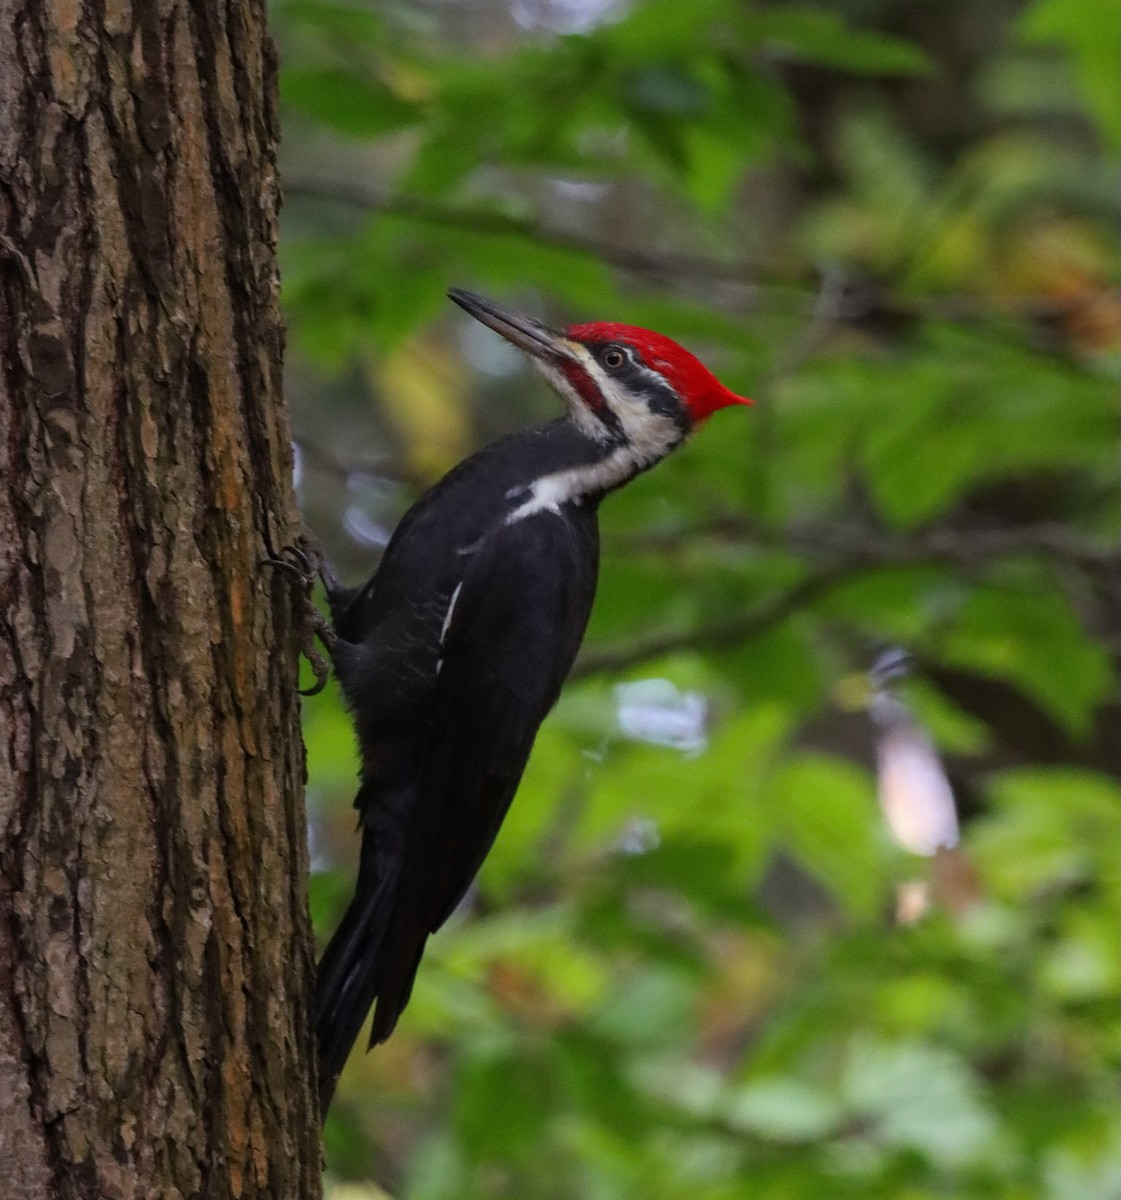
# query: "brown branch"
[[853, 306], [716, 636], [846, 551], [664, 264], [863, 546]]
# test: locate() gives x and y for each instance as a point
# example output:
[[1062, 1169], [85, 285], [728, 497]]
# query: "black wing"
[[516, 625]]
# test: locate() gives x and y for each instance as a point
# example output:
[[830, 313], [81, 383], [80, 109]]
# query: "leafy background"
[[696, 964]]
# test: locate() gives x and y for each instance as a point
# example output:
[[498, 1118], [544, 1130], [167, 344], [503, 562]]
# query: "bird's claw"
[[299, 567], [302, 565], [320, 667]]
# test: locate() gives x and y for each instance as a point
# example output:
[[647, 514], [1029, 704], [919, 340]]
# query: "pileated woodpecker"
[[452, 654]]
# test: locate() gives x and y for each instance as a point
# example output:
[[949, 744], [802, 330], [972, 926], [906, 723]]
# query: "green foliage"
[[346, 104], [1089, 29], [689, 969]]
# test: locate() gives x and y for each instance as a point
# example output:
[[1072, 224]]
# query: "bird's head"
[[623, 385]]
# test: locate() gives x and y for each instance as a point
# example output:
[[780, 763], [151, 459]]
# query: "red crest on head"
[[701, 391]]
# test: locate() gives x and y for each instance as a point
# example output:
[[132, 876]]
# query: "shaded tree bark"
[[155, 950]]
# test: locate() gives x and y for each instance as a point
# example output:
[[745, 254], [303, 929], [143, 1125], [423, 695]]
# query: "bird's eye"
[[613, 359]]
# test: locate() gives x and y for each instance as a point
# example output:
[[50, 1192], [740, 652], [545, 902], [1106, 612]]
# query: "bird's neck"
[[587, 472]]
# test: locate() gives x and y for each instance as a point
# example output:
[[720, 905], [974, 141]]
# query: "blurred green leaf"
[[783, 1109], [1090, 29], [1033, 638], [650, 1007], [349, 23], [821, 36], [826, 813], [1050, 829], [356, 107], [921, 1099]]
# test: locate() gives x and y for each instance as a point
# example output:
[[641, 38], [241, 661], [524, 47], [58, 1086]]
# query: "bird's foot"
[[306, 560], [301, 563]]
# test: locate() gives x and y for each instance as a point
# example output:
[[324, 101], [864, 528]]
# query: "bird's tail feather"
[[348, 971]]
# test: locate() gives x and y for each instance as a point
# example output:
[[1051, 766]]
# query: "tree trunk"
[[155, 950]]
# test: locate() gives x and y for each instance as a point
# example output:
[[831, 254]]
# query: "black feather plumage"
[[453, 653], [449, 658]]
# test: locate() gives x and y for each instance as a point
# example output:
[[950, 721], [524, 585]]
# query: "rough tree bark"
[[155, 951]]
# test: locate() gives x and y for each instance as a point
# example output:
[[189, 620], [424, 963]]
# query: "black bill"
[[525, 333]]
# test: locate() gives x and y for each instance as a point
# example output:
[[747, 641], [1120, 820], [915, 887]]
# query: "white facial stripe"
[[649, 433], [647, 437], [578, 410]]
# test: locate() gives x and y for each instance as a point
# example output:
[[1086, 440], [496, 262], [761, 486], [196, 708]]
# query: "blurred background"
[[726, 945]]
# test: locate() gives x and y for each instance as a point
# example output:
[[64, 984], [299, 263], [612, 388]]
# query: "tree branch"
[[864, 546], [845, 551], [660, 264], [856, 302], [719, 634]]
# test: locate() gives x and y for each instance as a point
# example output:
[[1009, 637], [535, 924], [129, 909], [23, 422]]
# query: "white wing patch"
[[447, 624], [451, 610]]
